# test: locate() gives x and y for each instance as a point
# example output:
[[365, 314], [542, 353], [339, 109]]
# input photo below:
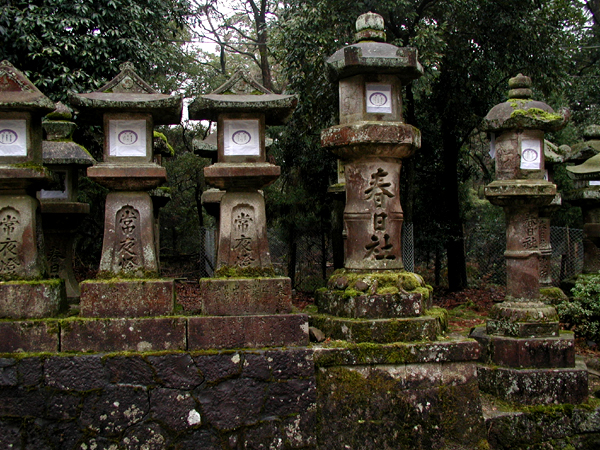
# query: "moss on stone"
[[162, 137], [442, 316], [552, 295], [536, 113], [245, 272]]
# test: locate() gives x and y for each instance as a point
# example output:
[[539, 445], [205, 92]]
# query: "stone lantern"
[[522, 333], [241, 171], [61, 212], [128, 108], [22, 107], [586, 195], [371, 141]]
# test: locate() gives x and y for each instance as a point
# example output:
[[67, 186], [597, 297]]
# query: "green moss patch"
[[245, 272]]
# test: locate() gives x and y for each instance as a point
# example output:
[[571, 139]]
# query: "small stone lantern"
[[22, 107], [241, 170], [521, 339], [129, 109], [61, 212]]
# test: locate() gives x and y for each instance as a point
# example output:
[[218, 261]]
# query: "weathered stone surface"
[[130, 298], [233, 403], [145, 436], [22, 403], [75, 373], [398, 353], [244, 296], [32, 299], [174, 408], [176, 371], [219, 367], [526, 352], [142, 177], [63, 405], [29, 336], [373, 306], [114, 409], [247, 331], [369, 407], [535, 386], [381, 331], [131, 369], [560, 426], [142, 335]]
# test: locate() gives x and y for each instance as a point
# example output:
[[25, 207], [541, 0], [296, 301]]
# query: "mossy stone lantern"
[[586, 195], [62, 213], [128, 108], [371, 140], [22, 107], [242, 108], [521, 340]]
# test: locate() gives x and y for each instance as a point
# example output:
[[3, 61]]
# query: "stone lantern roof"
[[588, 170], [589, 147], [520, 112], [59, 148], [127, 92], [371, 55], [17, 93], [243, 94]]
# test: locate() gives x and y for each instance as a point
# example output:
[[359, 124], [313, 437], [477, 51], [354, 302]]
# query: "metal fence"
[[484, 251]]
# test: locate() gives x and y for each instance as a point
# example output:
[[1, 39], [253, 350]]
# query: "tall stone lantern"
[[242, 108], [22, 107], [371, 141], [128, 108], [521, 340], [62, 213]]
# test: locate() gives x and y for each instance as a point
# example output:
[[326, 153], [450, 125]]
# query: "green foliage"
[[583, 311], [66, 45]]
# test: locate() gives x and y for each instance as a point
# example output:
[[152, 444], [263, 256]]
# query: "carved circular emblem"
[[8, 136], [128, 137], [241, 137], [378, 99], [529, 155], [127, 83]]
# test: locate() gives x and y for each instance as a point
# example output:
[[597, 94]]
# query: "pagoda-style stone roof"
[[17, 93], [520, 112], [588, 170], [589, 147], [552, 154], [369, 55], [243, 94], [69, 153], [127, 92]]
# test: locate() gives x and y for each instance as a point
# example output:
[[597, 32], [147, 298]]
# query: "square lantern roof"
[[243, 94], [17, 93], [128, 93]]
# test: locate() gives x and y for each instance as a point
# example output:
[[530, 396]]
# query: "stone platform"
[[32, 299], [180, 333]]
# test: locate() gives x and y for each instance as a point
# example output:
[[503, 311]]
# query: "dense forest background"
[[468, 48]]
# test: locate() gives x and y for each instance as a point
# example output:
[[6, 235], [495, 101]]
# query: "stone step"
[[380, 331]]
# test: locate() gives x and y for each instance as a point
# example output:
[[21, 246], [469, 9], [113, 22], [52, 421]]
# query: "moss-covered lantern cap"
[[588, 170], [589, 147], [371, 55], [127, 92], [243, 94], [17, 93], [522, 113]]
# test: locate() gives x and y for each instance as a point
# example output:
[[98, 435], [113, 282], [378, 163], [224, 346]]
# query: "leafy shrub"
[[582, 312]]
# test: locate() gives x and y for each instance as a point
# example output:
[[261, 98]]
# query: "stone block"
[[544, 352], [522, 329], [127, 298], [370, 306], [29, 336], [447, 351], [116, 335], [247, 331], [245, 296], [535, 386], [32, 299], [380, 331]]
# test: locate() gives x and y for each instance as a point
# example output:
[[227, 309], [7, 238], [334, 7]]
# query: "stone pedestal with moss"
[[526, 359], [128, 108], [24, 291]]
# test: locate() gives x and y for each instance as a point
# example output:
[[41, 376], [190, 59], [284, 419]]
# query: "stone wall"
[[211, 400]]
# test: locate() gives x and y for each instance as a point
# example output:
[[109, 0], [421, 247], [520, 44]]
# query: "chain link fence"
[[312, 256]]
